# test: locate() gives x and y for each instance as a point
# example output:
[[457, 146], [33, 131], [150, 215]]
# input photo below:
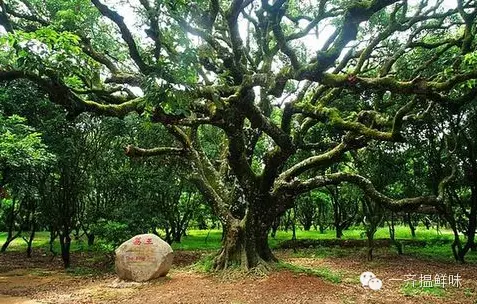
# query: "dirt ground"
[[40, 280]]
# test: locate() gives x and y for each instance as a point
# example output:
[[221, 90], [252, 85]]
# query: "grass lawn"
[[438, 243], [210, 239]]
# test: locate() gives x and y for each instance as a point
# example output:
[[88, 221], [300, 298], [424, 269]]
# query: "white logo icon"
[[368, 279], [375, 284]]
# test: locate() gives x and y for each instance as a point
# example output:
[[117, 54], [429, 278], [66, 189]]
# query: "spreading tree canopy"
[[261, 97]]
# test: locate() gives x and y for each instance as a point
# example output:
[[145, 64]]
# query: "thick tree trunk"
[[245, 243]]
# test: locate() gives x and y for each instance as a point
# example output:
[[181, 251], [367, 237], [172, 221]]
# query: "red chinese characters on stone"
[[148, 241], [136, 258], [137, 241]]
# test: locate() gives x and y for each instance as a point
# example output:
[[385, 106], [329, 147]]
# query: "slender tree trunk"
[[89, 235], [10, 238], [472, 226], [337, 214], [65, 243], [294, 225], [77, 233], [339, 231], [168, 237], [392, 236], [370, 246], [177, 236], [53, 236], [322, 229], [456, 244], [275, 225], [91, 238], [427, 223], [30, 240], [11, 227], [411, 226]]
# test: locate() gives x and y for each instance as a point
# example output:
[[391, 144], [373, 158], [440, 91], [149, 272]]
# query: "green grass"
[[324, 252], [357, 233], [322, 272], [439, 253], [210, 239], [205, 264], [437, 247], [42, 240], [412, 291], [200, 240]]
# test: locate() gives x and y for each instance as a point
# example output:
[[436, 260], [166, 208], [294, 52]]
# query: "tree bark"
[[91, 238], [472, 226], [11, 227], [456, 244], [65, 243], [339, 231], [392, 235], [53, 235], [370, 246], [245, 243], [30, 239], [411, 225], [275, 225], [7, 242]]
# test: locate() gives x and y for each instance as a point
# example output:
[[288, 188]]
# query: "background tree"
[[345, 201], [22, 156]]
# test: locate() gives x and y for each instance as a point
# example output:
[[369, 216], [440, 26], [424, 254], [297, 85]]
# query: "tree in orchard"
[[260, 75], [23, 156]]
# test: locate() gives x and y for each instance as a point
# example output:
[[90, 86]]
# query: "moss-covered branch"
[[61, 94], [296, 187], [332, 117], [133, 151]]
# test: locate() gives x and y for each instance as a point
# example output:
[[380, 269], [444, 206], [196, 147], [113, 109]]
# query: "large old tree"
[[262, 97]]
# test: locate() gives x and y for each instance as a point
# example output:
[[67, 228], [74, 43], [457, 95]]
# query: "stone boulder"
[[143, 258]]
